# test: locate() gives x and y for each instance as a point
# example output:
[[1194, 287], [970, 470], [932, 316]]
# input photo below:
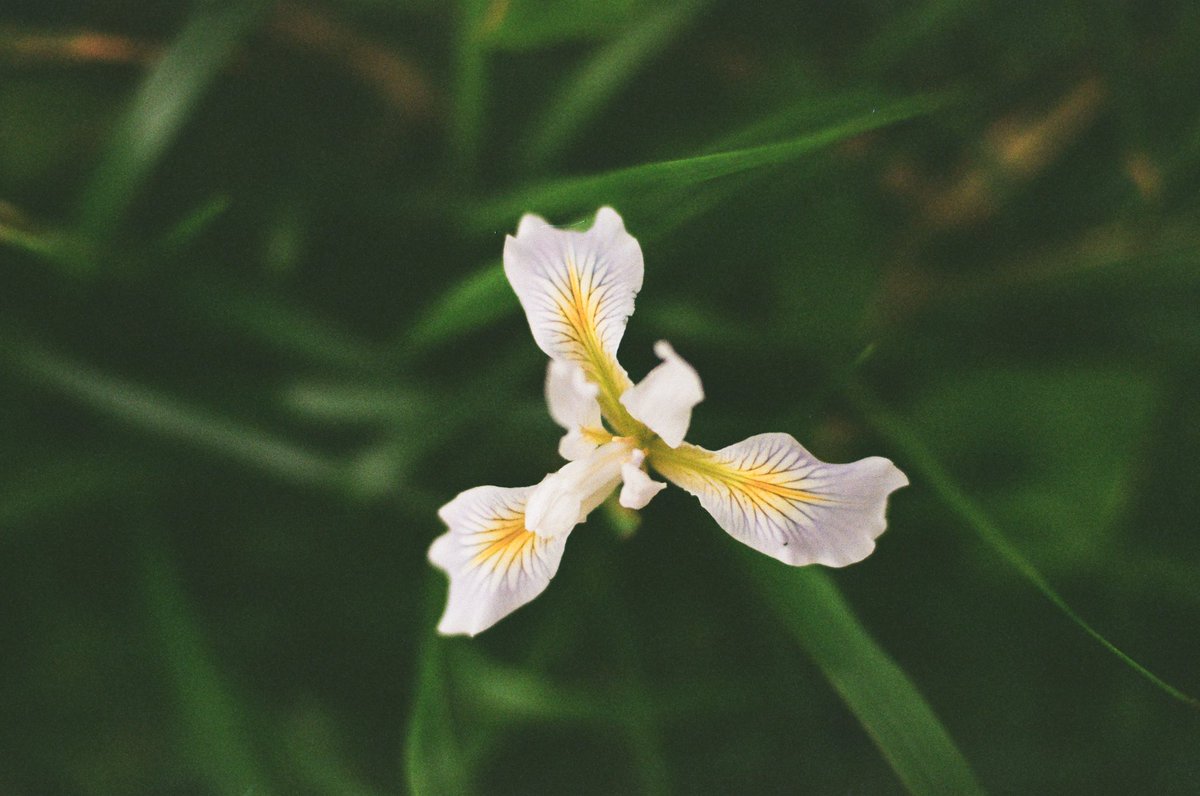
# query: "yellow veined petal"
[[578, 290], [773, 495], [495, 565]]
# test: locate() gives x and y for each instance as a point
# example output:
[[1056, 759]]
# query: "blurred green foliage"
[[254, 331]]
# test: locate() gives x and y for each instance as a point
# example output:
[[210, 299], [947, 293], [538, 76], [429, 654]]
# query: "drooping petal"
[[564, 499], [664, 399], [772, 494], [495, 565], [577, 290], [572, 402], [638, 488]]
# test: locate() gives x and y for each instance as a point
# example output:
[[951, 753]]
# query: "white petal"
[[495, 565], [573, 405], [638, 488], [772, 494], [575, 445], [564, 499], [577, 288], [570, 396], [664, 399]]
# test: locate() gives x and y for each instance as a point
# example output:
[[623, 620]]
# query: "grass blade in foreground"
[[919, 459], [876, 690], [664, 178]]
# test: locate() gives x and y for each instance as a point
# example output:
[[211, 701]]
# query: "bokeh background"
[[254, 331]]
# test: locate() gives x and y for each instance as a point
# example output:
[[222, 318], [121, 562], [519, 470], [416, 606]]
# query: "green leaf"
[[585, 93], [165, 416], [161, 107], [920, 462], [654, 184], [531, 24], [477, 300], [435, 761], [220, 745], [52, 486], [874, 688]]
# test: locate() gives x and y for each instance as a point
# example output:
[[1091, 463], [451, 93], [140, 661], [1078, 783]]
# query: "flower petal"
[[572, 402], [495, 565], [577, 290], [564, 499], [638, 488], [773, 495], [664, 399]]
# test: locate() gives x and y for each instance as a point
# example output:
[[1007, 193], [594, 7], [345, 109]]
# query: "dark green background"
[[253, 332]]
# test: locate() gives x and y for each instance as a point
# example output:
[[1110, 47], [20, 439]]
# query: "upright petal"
[[572, 402], [773, 495], [577, 290], [664, 399], [495, 565]]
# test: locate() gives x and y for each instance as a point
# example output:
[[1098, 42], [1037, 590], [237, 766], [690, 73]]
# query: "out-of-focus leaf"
[[50, 488], [194, 223], [470, 84], [159, 414], [585, 93], [920, 462], [219, 739], [279, 325], [530, 24], [513, 694], [874, 688], [1068, 442], [477, 300], [161, 107], [435, 761], [909, 30], [654, 184]]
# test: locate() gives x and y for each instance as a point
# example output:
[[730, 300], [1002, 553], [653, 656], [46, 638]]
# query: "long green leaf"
[[165, 416], [220, 745], [434, 759], [585, 93], [874, 688], [921, 461], [658, 181], [161, 107]]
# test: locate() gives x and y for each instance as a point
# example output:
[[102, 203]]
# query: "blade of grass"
[[656, 181], [165, 416], [921, 461], [874, 688], [435, 760], [220, 745], [477, 300], [585, 93], [470, 81], [60, 484], [522, 25], [160, 108]]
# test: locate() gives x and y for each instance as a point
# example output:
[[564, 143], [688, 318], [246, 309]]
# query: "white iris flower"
[[504, 544]]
